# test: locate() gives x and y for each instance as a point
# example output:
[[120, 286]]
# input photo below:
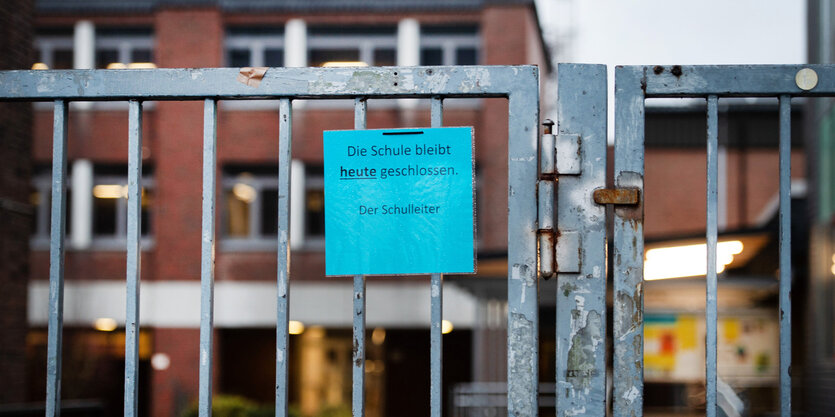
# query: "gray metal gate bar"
[[785, 256], [282, 349], [628, 270], [56, 260], [581, 245], [207, 257], [134, 257], [358, 398], [711, 316], [523, 282], [436, 306]]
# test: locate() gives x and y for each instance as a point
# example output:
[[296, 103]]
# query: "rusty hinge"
[[625, 196]]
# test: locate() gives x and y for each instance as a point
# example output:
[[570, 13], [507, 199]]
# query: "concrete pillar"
[[298, 196], [82, 204], [295, 44], [84, 53], [408, 53], [84, 45], [408, 42]]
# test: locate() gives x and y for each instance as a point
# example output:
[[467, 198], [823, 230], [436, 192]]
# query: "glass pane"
[[465, 56], [269, 212], [274, 57], [62, 59], [239, 58], [315, 213], [147, 201], [47, 199], [141, 55], [104, 216], [385, 57], [237, 212], [105, 57], [320, 56], [431, 56]]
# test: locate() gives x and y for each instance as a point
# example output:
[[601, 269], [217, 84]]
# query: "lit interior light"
[[244, 192], [378, 336], [105, 324], [295, 327], [40, 66], [110, 191], [160, 361], [340, 64], [142, 65], [446, 326], [116, 65], [687, 261]]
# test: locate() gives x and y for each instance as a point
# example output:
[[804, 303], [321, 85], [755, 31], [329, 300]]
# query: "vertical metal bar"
[[436, 306], [56, 260], [358, 396], [711, 314], [581, 288], [628, 270], [133, 257], [522, 282], [785, 257], [282, 350], [207, 259]]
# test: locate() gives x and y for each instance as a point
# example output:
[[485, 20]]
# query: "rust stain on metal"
[[658, 69], [551, 238], [617, 196], [676, 70]]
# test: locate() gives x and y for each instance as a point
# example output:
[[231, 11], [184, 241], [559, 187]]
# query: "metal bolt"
[[806, 79], [549, 125]]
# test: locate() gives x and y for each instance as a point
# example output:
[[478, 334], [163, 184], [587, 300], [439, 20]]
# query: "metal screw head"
[[806, 79], [549, 125]]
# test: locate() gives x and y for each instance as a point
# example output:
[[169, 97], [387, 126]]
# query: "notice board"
[[399, 201]]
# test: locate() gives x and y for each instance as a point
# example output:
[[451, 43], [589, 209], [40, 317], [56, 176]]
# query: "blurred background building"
[[164, 34], [237, 33]]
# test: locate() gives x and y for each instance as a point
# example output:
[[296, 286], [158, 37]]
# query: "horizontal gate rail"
[[518, 84], [298, 83], [633, 84]]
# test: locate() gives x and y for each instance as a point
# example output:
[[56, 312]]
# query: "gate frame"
[[518, 84], [634, 84]]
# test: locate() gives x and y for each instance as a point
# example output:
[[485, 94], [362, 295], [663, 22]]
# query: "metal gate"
[[518, 84], [579, 171], [567, 167]]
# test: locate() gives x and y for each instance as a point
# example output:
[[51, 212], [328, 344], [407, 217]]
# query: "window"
[[54, 48], [119, 48], [449, 45], [108, 216], [250, 207], [255, 47], [110, 209], [115, 48], [341, 45], [250, 199]]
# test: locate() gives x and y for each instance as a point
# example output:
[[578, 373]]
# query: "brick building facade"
[[172, 34]]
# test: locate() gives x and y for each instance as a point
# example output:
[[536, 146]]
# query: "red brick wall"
[[173, 389], [15, 216], [675, 188], [185, 38]]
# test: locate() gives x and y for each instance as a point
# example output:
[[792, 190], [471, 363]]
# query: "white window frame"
[[42, 184], [257, 44]]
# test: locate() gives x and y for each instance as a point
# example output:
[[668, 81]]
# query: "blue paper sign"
[[399, 201]]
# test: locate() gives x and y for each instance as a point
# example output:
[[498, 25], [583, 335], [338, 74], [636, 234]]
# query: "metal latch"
[[620, 196]]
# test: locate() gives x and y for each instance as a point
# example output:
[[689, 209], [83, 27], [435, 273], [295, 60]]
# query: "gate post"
[[581, 241], [522, 282]]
